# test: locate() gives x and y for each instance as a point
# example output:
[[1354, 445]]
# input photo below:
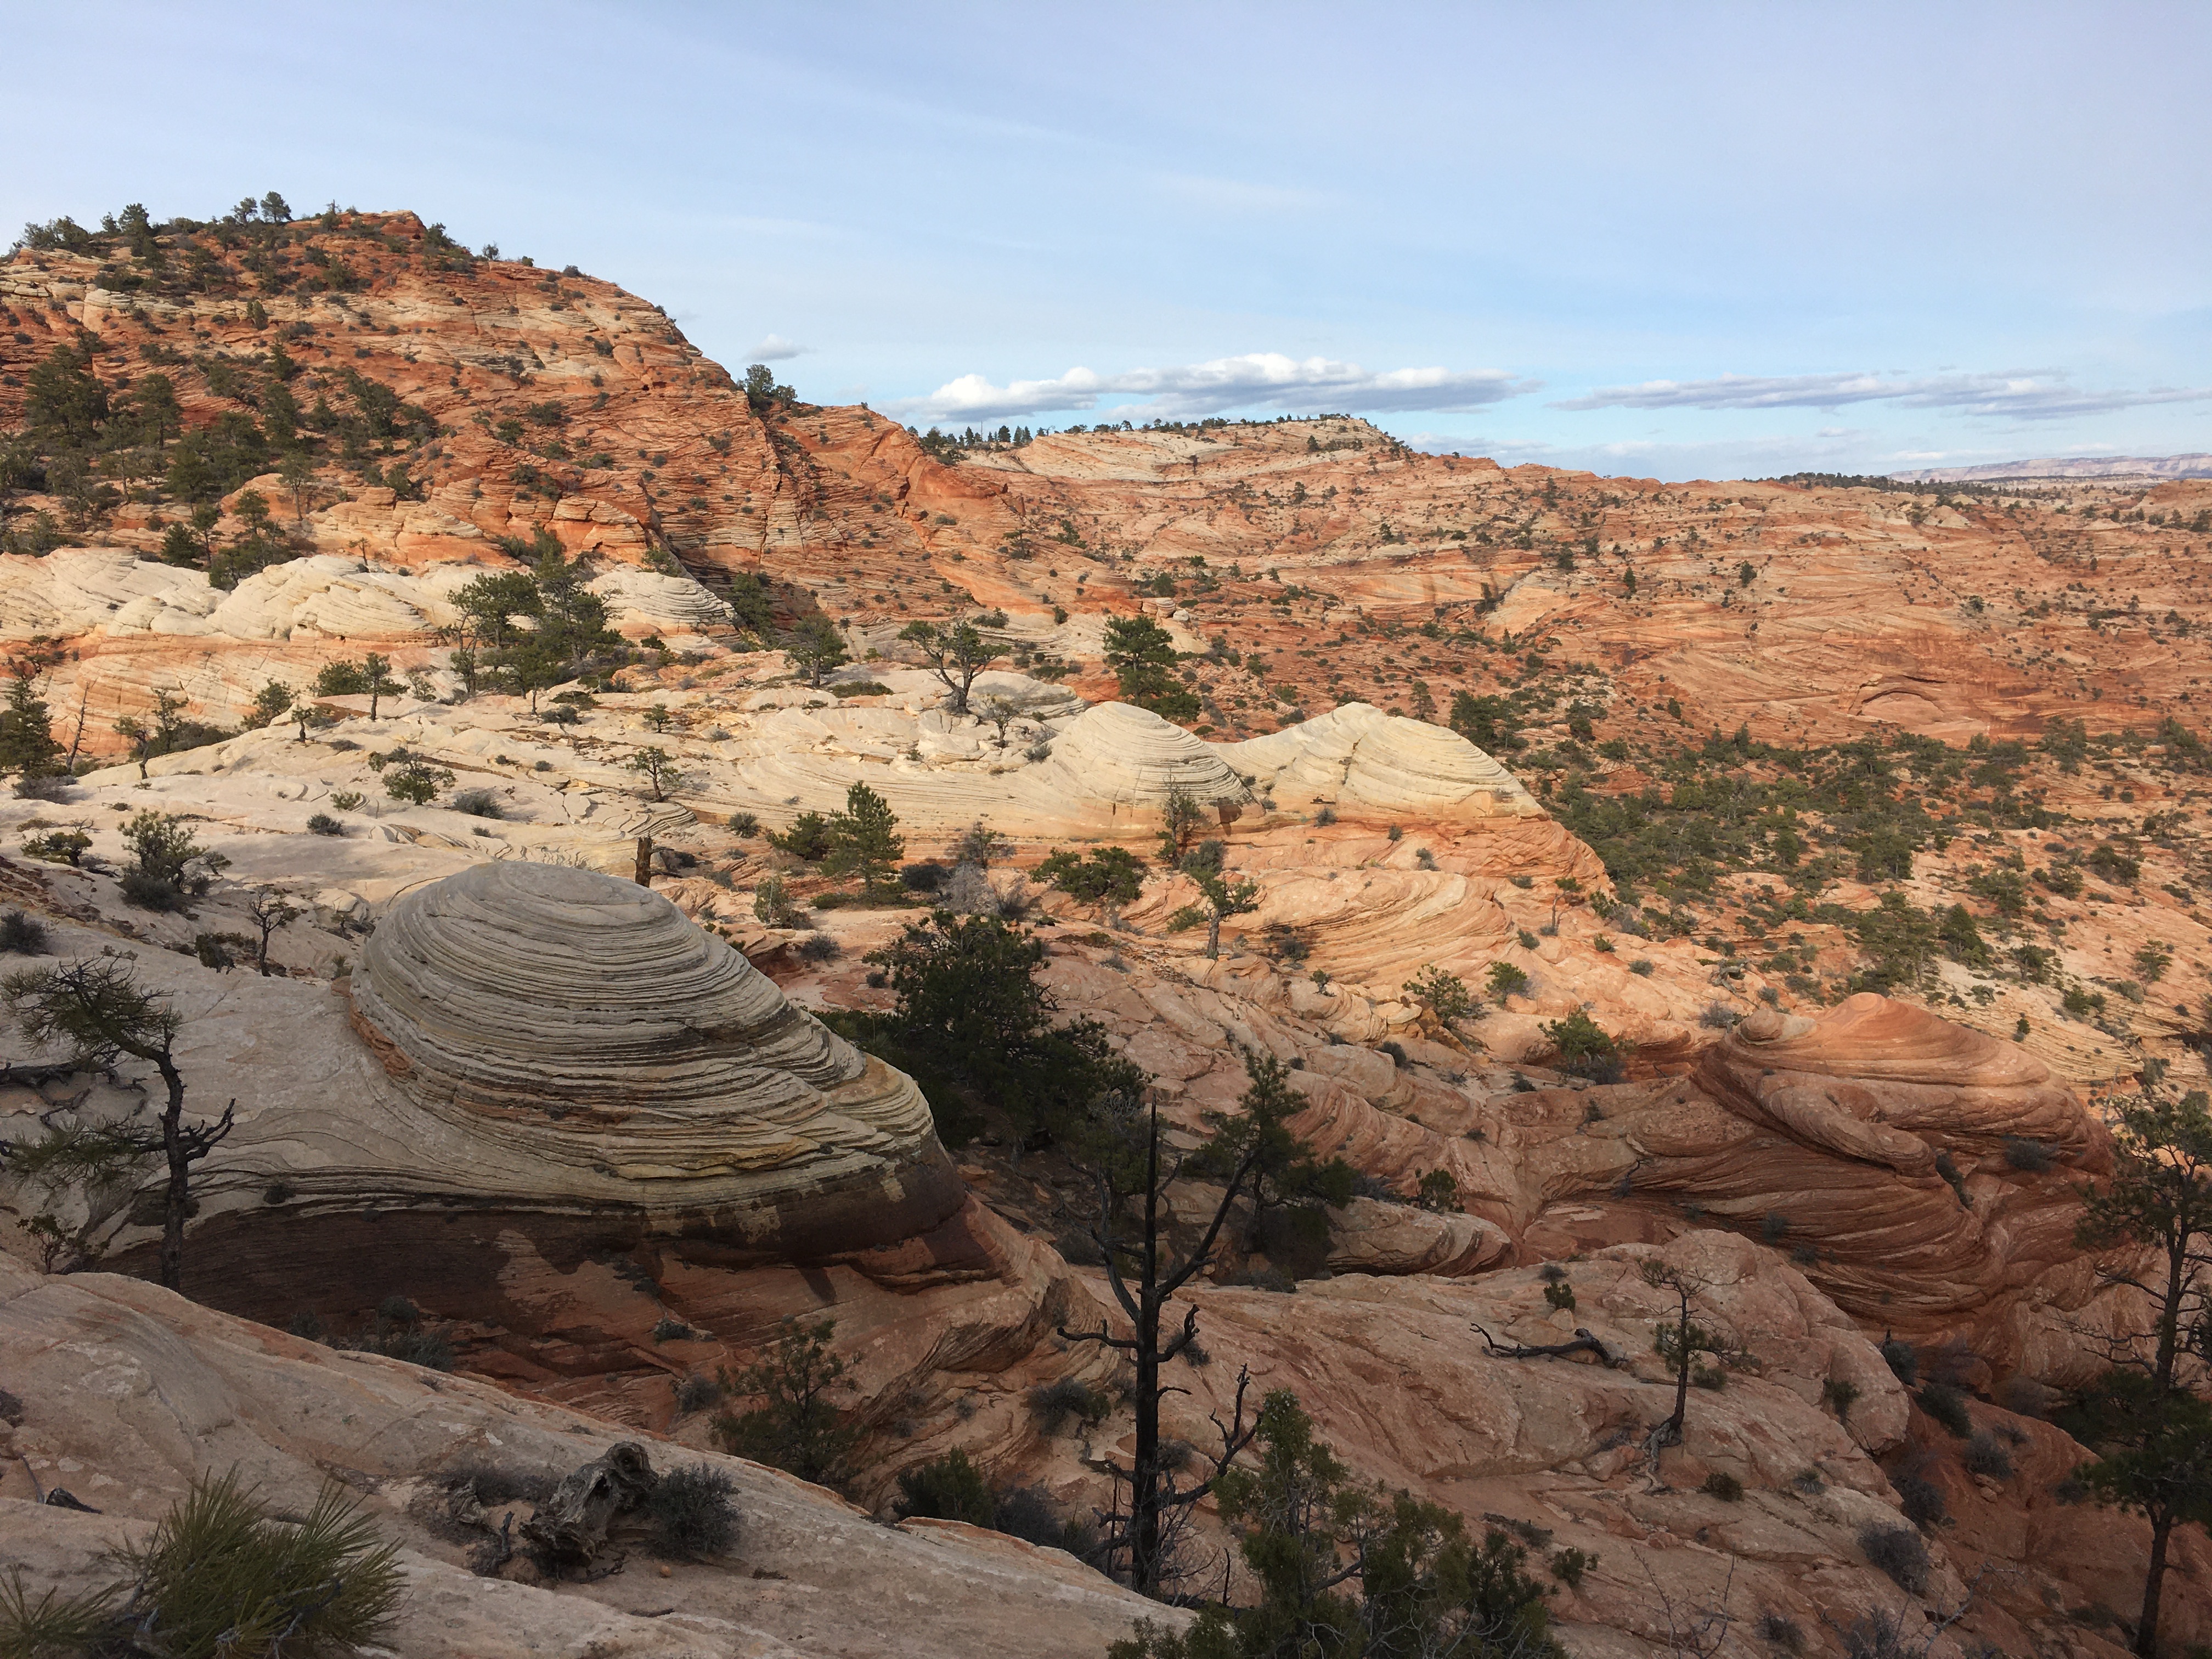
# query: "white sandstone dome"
[[1357, 756], [1132, 757], [584, 1020]]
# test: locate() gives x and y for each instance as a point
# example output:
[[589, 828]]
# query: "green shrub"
[[23, 936], [795, 1427], [1111, 875], [1569, 1565], [745, 825], [322, 824], [1052, 1403], [57, 847], [1839, 1393], [1507, 981], [947, 1488], [1947, 1406], [1724, 1487], [55, 1624], [2029, 1156], [808, 838], [221, 1575], [1903, 1361], [693, 1513], [1583, 1049]]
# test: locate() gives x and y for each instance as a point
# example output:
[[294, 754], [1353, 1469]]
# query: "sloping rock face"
[[128, 1391]]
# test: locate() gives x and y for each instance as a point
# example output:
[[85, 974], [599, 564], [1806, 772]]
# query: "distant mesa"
[[2084, 467]]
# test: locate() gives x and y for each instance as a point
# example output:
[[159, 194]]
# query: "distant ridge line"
[[2080, 466]]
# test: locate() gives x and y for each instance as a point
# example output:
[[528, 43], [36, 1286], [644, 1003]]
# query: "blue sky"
[[1673, 240]]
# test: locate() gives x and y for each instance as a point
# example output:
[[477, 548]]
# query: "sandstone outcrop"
[[1357, 758], [586, 1023]]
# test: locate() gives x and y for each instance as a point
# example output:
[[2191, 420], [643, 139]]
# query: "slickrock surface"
[[128, 1391]]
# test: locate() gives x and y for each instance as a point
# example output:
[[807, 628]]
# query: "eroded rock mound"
[[1132, 757], [1357, 756], [587, 1018]]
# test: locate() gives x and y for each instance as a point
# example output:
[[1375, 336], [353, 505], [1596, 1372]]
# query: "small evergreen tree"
[[1142, 655], [796, 1426], [815, 647], [26, 732], [864, 841]]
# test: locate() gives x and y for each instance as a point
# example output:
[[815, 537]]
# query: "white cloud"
[[774, 349], [2033, 395], [1259, 379]]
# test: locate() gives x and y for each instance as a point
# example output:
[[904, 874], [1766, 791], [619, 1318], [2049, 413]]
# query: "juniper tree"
[[956, 651], [98, 1009], [864, 841]]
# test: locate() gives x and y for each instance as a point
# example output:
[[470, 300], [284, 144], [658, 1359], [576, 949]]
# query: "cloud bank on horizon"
[[1256, 381]]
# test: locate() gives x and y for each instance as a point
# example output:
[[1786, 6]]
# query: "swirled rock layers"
[[634, 1060]]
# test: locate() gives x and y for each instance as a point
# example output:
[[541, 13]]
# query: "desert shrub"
[[1052, 1403], [1920, 1500], [669, 1328], [221, 1575], [57, 847], [1024, 1512], [745, 825], [693, 1513], [1561, 1295], [1947, 1406], [1781, 1629], [1718, 1016], [774, 904], [1583, 1049], [23, 936], [1775, 1227], [1985, 1454], [947, 1488], [1723, 1486], [1112, 875], [1569, 1565], [2030, 1156], [1439, 1192], [1839, 1395], [2024, 1396], [1904, 1362], [350, 801], [1898, 1552], [695, 1392], [44, 786], [411, 779], [477, 803], [1507, 981], [151, 892], [322, 824], [925, 877], [818, 947]]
